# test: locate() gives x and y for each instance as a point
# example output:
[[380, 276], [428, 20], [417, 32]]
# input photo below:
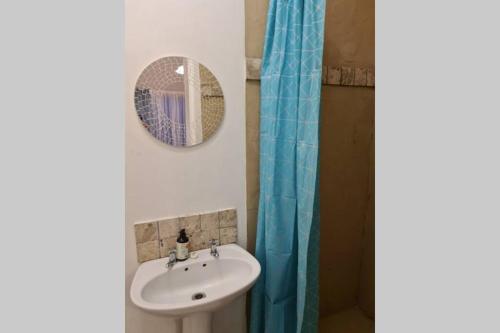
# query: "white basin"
[[194, 288]]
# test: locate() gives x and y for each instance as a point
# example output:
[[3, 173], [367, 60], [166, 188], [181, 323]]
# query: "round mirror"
[[179, 101]]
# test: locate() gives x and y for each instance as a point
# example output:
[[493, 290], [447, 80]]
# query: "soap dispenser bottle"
[[182, 246]]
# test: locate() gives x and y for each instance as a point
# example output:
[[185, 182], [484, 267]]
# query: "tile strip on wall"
[[352, 76]]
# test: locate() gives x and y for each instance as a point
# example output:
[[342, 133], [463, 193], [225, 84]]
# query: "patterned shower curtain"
[[285, 297]]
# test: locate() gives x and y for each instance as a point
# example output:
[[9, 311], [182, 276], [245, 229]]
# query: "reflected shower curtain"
[[285, 297], [163, 114], [171, 111]]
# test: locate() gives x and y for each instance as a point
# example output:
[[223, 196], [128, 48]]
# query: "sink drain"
[[198, 296]]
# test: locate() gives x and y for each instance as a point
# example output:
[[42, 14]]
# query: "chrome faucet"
[[172, 258], [213, 248]]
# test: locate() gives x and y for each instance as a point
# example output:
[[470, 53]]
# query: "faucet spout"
[[213, 248], [172, 259]]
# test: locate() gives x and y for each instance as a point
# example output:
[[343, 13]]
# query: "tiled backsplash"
[[157, 238]]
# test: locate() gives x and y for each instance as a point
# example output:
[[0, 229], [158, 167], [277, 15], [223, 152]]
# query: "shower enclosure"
[[346, 166]]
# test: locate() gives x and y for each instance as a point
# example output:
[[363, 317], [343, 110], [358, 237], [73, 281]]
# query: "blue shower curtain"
[[285, 297]]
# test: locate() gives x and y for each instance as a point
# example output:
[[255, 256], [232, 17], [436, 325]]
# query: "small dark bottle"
[[182, 246]]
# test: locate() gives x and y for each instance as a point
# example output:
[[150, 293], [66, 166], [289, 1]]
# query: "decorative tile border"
[[253, 68], [155, 239], [353, 76]]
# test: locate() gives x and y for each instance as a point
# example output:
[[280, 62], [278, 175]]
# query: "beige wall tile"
[[169, 228], [334, 74], [228, 235], [148, 251], [192, 224], [370, 78], [167, 245], [209, 221], [198, 241], [360, 76], [253, 68], [211, 234], [227, 218], [145, 232], [347, 76]]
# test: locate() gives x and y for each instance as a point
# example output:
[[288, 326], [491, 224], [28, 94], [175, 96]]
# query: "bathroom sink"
[[194, 286]]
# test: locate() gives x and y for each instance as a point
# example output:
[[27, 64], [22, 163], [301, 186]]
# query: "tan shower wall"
[[366, 294], [346, 127], [255, 26], [347, 255], [350, 32], [255, 21], [346, 149]]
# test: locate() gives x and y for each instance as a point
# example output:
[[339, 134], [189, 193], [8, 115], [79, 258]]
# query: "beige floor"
[[347, 321]]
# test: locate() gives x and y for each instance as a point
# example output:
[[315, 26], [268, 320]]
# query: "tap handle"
[[172, 253], [214, 241]]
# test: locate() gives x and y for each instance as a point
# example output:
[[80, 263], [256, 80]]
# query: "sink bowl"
[[195, 286]]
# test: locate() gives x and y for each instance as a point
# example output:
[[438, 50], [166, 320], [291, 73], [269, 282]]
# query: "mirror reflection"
[[179, 101]]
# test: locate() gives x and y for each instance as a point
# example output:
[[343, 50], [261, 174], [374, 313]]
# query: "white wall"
[[165, 181]]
